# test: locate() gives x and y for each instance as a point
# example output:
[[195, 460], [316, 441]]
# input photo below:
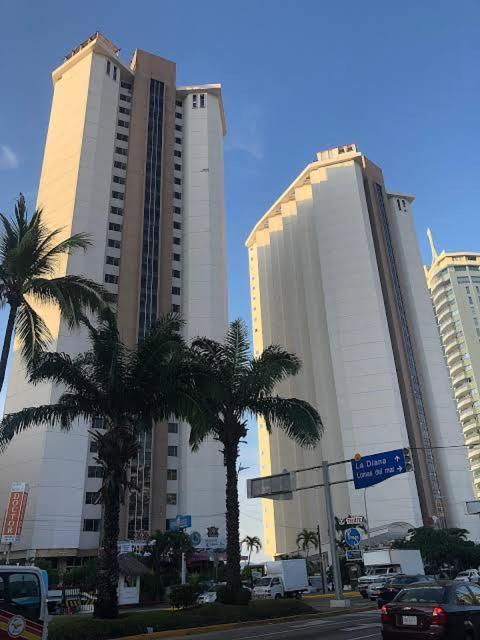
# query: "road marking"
[[359, 627], [313, 623], [372, 635]]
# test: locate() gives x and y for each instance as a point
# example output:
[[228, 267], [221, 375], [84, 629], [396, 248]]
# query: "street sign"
[[276, 487], [353, 520], [352, 537], [473, 507], [180, 522], [370, 470], [17, 503], [196, 538], [353, 555]]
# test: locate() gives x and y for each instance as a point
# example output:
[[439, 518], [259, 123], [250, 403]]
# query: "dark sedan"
[[441, 609], [392, 588]]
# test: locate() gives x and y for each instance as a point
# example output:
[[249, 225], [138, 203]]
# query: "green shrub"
[[81, 628], [227, 596], [182, 595], [151, 588]]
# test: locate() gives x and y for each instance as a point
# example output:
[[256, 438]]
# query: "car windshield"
[[463, 573], [403, 580], [263, 582], [422, 594]]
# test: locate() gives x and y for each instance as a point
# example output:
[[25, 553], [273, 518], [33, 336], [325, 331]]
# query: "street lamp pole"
[[366, 514]]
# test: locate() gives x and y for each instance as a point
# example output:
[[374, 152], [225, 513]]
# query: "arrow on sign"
[[397, 459], [375, 468]]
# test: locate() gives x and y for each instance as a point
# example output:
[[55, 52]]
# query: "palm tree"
[[252, 543], [235, 387], [29, 254], [131, 390], [307, 538]]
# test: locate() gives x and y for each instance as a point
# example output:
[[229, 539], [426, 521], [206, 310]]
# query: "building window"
[[178, 115], [124, 110], [111, 279], [98, 423], [173, 427], [178, 127], [203, 100], [91, 524], [179, 103], [114, 226], [112, 260], [126, 85], [108, 67], [172, 451], [93, 446], [115, 244], [177, 154], [91, 497], [123, 123], [177, 181], [176, 291], [176, 240], [122, 137], [94, 471], [177, 167], [176, 308], [462, 279], [118, 195], [119, 179], [114, 72], [120, 165], [121, 151], [178, 141], [177, 210], [176, 257], [118, 211], [177, 225], [194, 101], [470, 300], [172, 474], [171, 498], [398, 205], [175, 273], [177, 195], [125, 98]]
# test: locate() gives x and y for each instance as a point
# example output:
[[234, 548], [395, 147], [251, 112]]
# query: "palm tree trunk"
[[107, 600], [233, 518], [7, 342]]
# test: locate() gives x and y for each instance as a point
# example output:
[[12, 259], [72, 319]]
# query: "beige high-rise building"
[[453, 280], [336, 277], [137, 163]]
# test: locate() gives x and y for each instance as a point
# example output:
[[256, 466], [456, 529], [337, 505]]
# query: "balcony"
[[442, 315], [459, 377], [454, 356], [463, 389], [472, 427], [452, 344], [446, 322], [464, 401], [449, 337], [455, 368]]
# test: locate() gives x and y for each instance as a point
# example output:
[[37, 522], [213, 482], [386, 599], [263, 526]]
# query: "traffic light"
[[407, 454]]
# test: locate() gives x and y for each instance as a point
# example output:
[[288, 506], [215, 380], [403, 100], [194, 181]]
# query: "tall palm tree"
[[131, 390], [29, 254], [306, 539], [235, 387], [252, 543]]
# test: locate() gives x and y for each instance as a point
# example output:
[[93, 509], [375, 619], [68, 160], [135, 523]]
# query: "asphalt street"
[[359, 625]]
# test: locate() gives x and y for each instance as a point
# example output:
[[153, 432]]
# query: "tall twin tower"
[[137, 163]]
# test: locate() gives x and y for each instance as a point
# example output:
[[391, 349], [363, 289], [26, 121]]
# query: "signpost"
[[179, 523], [370, 470], [353, 555]]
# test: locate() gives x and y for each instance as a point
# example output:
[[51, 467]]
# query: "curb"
[[177, 633], [330, 596]]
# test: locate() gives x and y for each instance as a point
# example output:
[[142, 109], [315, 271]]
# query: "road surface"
[[360, 625]]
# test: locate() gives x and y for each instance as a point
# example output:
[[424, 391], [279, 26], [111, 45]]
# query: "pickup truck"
[[469, 575], [383, 564]]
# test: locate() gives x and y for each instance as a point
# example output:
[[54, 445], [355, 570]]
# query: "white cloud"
[[245, 134], [8, 158]]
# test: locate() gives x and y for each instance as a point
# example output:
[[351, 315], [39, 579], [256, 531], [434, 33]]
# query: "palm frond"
[[72, 293], [300, 421], [237, 348], [52, 414], [32, 332], [269, 369]]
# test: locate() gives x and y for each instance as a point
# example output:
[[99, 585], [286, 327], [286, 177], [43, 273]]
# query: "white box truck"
[[282, 579], [382, 564]]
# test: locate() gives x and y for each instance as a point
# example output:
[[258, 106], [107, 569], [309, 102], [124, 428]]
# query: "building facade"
[[336, 277], [137, 163], [453, 280]]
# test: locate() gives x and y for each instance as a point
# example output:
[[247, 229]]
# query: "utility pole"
[[322, 566], [366, 514], [337, 576]]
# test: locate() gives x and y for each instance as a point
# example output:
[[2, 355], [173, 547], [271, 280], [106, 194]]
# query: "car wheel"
[[278, 596]]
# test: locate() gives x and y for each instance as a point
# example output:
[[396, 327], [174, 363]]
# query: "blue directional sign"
[[352, 537], [370, 470], [180, 522]]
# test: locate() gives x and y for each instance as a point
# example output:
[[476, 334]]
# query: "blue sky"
[[400, 79]]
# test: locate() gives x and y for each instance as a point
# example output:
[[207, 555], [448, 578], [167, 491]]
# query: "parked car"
[[374, 587], [469, 575], [445, 610], [209, 596], [388, 591]]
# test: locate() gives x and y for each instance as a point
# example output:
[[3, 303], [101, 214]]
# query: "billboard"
[[17, 503]]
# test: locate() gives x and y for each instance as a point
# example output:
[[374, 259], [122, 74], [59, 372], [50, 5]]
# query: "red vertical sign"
[[17, 503]]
